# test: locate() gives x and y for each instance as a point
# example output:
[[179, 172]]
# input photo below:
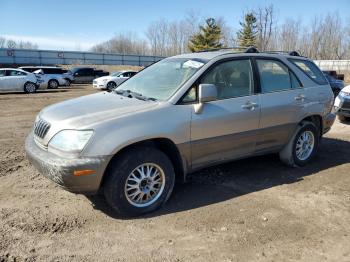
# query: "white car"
[[18, 80], [342, 104], [52, 76], [113, 80], [51, 81]]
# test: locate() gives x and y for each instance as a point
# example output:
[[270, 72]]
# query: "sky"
[[78, 24]]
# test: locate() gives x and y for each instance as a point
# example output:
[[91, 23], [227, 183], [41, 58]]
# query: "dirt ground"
[[249, 210]]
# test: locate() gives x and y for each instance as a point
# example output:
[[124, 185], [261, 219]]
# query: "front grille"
[[41, 127], [346, 104]]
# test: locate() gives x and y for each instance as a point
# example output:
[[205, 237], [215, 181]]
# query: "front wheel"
[[303, 145], [139, 181], [68, 82], [111, 85], [29, 87]]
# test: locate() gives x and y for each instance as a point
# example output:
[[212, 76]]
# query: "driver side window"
[[232, 78]]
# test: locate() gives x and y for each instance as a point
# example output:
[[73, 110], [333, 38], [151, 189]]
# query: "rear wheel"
[[139, 181], [303, 145], [111, 85], [29, 87], [52, 84]]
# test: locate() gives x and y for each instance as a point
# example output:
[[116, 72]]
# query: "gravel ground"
[[249, 210]]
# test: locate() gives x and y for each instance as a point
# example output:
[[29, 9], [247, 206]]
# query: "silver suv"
[[179, 115]]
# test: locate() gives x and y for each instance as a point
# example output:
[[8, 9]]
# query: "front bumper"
[[99, 85], [328, 121], [61, 170], [342, 106]]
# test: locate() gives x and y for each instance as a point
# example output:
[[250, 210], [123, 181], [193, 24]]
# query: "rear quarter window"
[[311, 70]]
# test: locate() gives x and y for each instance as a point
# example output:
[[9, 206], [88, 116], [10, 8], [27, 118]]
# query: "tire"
[[121, 189], [29, 88], [343, 118], [68, 82], [111, 85], [292, 153], [52, 84]]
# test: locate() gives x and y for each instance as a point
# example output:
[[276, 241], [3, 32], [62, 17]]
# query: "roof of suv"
[[208, 55]]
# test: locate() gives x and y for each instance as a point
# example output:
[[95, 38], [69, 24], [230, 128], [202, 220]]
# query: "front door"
[[226, 128]]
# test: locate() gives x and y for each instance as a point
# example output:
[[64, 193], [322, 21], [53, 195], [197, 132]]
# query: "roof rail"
[[245, 49], [291, 53]]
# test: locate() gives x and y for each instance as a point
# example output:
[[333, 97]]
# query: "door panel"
[[282, 102], [224, 130], [280, 113]]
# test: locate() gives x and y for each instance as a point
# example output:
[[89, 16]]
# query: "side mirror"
[[76, 74], [206, 93]]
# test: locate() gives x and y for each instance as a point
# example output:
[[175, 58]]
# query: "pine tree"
[[247, 36], [208, 37]]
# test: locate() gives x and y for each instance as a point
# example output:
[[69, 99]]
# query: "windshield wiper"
[[131, 94]]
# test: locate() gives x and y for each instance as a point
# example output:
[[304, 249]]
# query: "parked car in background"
[[179, 115], [12, 79], [52, 76], [334, 74], [342, 104], [336, 84], [113, 80], [85, 75]]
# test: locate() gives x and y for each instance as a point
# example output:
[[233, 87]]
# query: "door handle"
[[300, 97], [250, 106]]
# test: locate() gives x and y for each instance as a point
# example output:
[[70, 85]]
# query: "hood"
[[102, 78], [346, 89], [85, 111]]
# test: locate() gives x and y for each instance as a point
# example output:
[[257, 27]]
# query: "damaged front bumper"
[[62, 170]]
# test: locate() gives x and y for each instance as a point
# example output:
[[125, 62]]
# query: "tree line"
[[326, 37], [10, 43]]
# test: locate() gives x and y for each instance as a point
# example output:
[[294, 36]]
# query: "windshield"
[[161, 80], [115, 73], [74, 69]]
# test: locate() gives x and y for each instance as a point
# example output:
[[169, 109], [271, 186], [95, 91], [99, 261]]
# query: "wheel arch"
[[166, 145], [315, 119]]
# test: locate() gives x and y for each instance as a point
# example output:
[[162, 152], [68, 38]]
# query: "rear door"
[[226, 128], [282, 101]]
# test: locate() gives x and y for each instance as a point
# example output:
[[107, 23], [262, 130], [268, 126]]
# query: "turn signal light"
[[84, 172]]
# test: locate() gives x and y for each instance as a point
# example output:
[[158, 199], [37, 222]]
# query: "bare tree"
[[26, 45], [11, 44], [124, 43], [265, 25], [289, 35], [2, 42]]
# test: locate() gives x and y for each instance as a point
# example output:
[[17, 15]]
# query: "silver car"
[[179, 115]]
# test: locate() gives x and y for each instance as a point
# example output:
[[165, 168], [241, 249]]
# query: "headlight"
[[343, 94], [72, 141]]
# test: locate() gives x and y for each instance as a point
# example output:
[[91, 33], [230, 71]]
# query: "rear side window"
[[311, 70], [274, 76], [15, 73]]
